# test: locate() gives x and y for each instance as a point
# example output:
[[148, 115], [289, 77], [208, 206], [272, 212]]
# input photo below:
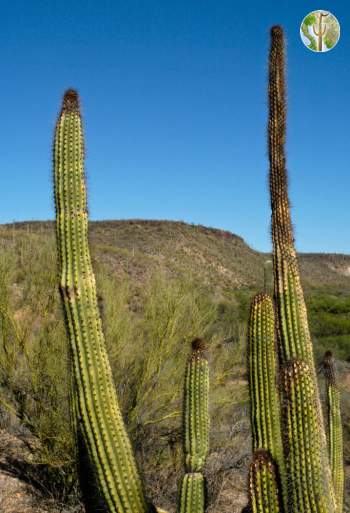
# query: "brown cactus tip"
[[328, 356], [276, 31], [199, 345], [329, 368], [70, 101], [261, 297], [262, 456]]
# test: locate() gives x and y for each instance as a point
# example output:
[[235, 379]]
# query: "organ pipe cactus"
[[293, 336], [303, 472], [98, 416]]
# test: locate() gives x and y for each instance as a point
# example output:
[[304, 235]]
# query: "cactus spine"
[[196, 429], [98, 413]]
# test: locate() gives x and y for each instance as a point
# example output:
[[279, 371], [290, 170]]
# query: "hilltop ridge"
[[217, 258]]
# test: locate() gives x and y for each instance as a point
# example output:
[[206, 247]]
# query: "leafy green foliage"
[[329, 316]]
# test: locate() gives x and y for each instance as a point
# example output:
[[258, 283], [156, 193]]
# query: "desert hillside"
[[216, 257], [160, 284]]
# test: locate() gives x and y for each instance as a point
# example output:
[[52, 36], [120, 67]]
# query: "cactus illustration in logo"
[[320, 31]]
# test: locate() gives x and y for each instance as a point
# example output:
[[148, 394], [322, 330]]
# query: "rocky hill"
[[216, 257]]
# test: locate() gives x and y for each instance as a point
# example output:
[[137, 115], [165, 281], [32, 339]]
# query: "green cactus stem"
[[335, 431], [291, 310], [196, 429], [192, 493], [300, 428], [293, 336], [321, 30], [263, 487], [99, 417], [263, 383], [91, 496], [196, 408]]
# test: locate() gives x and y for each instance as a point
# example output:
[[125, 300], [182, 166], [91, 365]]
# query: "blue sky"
[[174, 103]]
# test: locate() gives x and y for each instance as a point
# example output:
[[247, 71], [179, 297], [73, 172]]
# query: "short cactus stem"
[[196, 408], [196, 428], [192, 498], [263, 485], [263, 383], [265, 415], [335, 430]]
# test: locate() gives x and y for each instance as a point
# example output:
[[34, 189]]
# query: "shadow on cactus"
[[294, 467]]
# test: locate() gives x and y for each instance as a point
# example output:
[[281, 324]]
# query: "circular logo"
[[320, 31]]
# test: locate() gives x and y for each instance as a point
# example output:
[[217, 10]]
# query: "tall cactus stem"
[[99, 416], [335, 431], [293, 336]]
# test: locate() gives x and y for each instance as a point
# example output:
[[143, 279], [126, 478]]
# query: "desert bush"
[[148, 327]]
